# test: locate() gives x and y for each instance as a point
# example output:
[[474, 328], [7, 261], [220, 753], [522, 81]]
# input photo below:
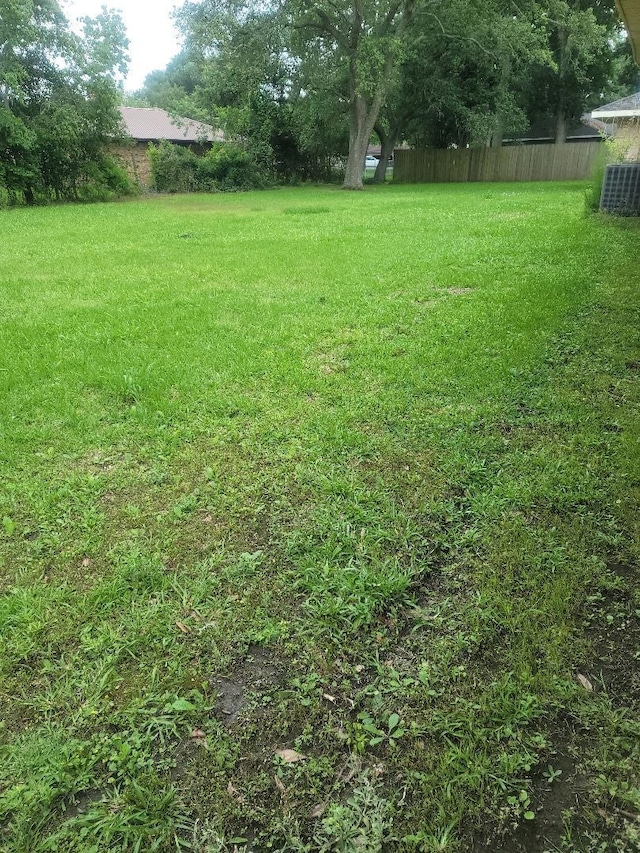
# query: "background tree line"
[[302, 83], [300, 86]]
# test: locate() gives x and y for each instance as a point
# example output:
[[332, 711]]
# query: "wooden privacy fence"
[[572, 161]]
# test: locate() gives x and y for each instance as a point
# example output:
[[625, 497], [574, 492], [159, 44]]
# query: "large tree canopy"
[[583, 39], [58, 100], [301, 83], [241, 70], [366, 37]]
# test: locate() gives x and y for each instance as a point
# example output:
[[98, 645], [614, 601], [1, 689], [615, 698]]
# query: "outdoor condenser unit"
[[621, 189]]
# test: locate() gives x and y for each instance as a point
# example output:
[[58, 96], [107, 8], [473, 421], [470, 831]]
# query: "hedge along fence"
[[573, 161]]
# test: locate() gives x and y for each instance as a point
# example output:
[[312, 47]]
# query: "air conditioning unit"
[[621, 189]]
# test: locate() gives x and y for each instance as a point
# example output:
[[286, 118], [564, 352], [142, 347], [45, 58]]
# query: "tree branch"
[[455, 37]]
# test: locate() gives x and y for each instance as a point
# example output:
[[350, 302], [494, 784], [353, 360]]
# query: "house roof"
[[624, 107], [630, 14], [148, 124], [604, 128], [545, 131]]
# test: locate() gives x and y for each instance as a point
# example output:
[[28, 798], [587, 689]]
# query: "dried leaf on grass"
[[290, 755], [319, 810], [585, 682], [233, 792], [183, 628]]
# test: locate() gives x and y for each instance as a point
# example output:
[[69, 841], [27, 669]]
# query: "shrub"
[[174, 168], [226, 167], [105, 180], [594, 190], [99, 178]]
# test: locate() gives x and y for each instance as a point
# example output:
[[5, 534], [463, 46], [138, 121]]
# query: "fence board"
[[573, 161]]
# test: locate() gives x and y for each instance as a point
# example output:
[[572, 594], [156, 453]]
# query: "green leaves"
[[368, 732], [180, 705], [59, 102]]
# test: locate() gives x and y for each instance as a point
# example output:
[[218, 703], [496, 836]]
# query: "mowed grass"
[[354, 476]]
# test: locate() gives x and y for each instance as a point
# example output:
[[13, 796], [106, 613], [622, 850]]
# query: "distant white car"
[[370, 162]]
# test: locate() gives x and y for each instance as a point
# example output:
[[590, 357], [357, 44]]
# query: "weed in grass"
[[143, 816], [345, 598], [365, 732], [551, 774], [362, 823]]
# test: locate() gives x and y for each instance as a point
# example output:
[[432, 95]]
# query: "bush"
[[105, 180], [594, 190], [101, 178], [173, 167], [225, 167]]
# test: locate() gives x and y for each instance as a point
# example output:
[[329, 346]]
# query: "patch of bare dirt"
[[257, 674], [614, 635], [551, 801], [83, 801], [613, 631]]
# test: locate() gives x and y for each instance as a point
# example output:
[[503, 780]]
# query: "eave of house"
[[618, 114], [630, 14]]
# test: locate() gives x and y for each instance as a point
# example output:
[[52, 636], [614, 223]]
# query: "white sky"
[[153, 40]]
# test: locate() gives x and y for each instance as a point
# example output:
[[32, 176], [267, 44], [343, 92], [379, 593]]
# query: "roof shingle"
[[622, 107], [149, 124]]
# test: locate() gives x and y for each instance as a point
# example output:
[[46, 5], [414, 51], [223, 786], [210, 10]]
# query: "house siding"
[[135, 159], [628, 136]]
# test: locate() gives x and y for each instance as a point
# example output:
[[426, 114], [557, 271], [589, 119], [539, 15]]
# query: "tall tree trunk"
[[561, 127], [498, 133], [561, 115], [362, 118], [359, 135], [387, 144], [362, 121], [502, 102]]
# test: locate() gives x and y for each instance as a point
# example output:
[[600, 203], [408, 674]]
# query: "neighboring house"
[[624, 114], [150, 124], [544, 133]]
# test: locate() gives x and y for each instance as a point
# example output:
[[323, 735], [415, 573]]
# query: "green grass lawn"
[[320, 523]]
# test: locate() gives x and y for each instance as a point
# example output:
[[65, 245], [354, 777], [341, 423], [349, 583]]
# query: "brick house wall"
[[135, 159]]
